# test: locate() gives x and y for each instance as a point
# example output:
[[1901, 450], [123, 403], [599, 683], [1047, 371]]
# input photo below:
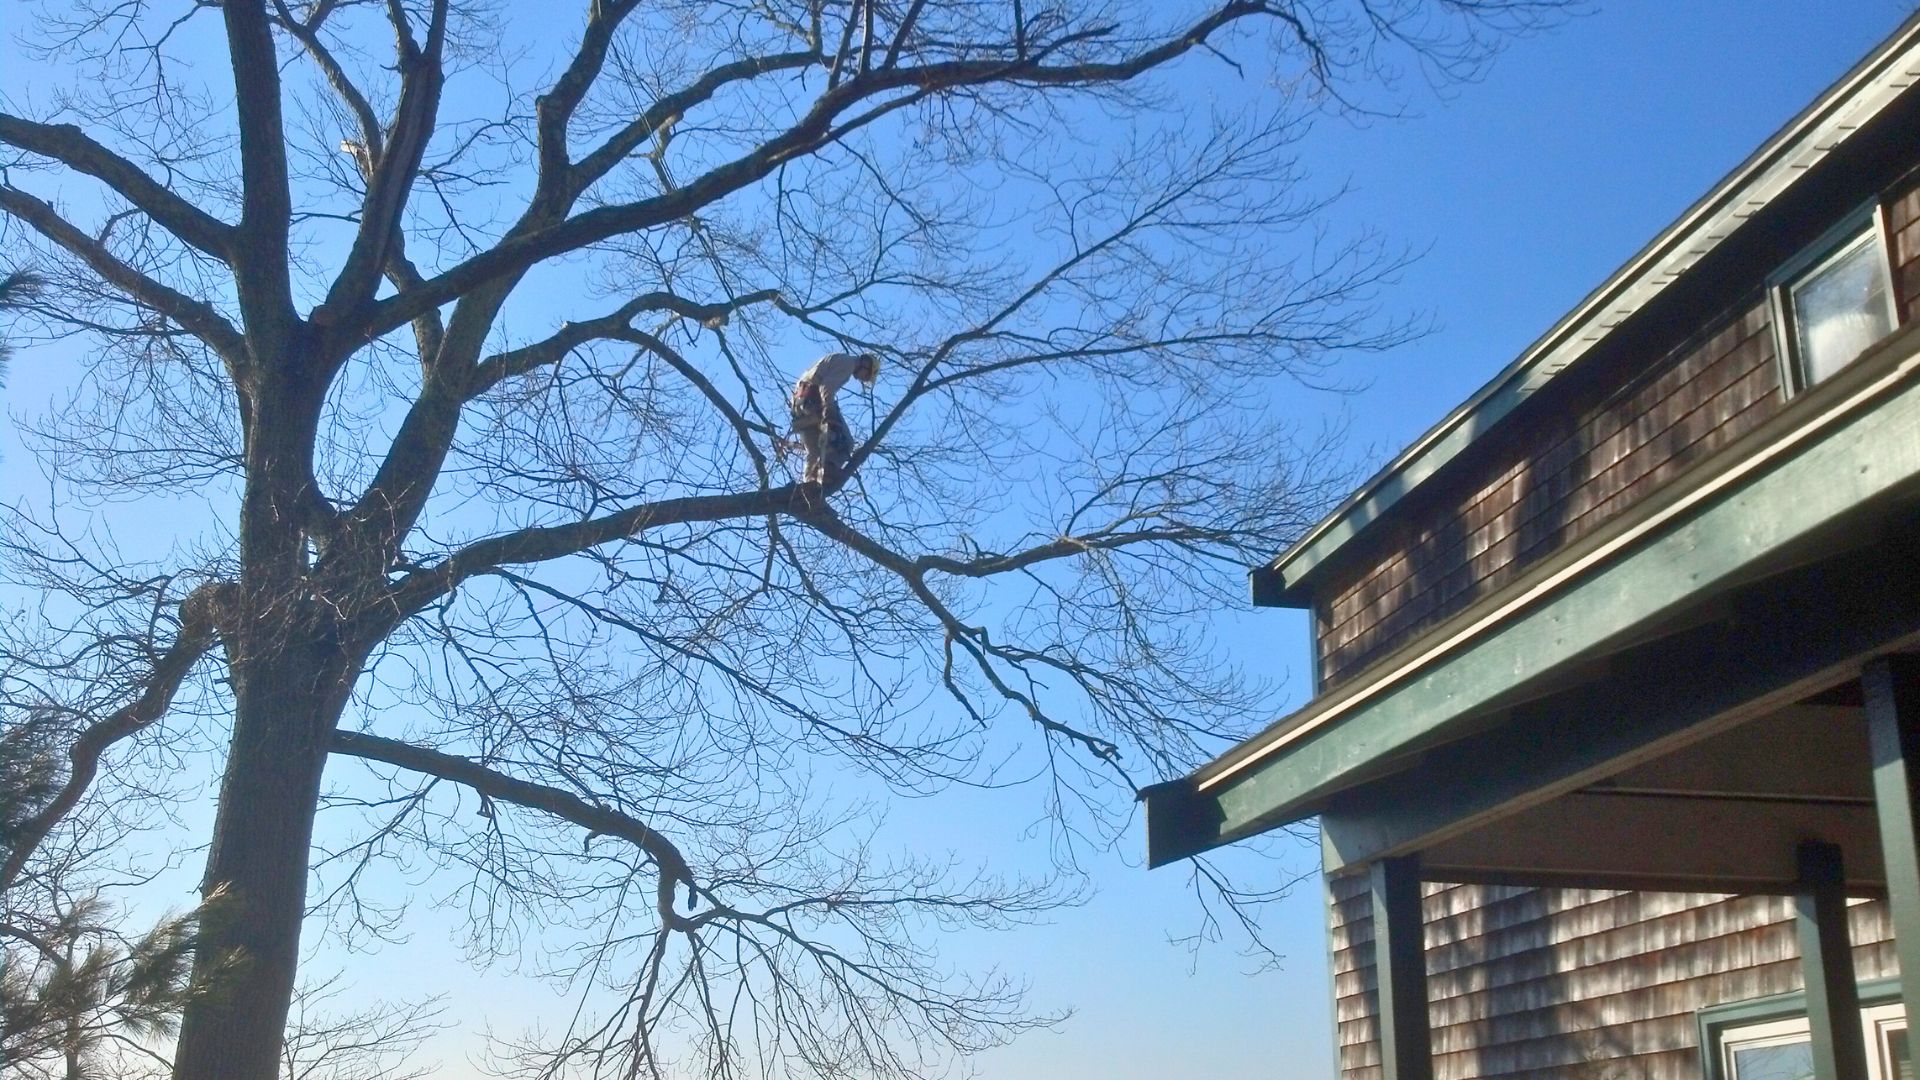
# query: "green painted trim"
[[1265, 588], [1892, 691], [1866, 457], [1801, 421], [1400, 970], [1826, 963], [1789, 635]]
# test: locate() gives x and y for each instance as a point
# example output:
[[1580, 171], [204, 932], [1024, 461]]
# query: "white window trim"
[[1876, 1021], [1881, 1067]]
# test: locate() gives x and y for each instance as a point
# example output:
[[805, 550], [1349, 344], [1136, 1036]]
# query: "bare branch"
[[194, 637], [307, 33], [674, 871], [664, 112], [972, 638], [815, 129], [193, 315], [394, 500], [557, 106], [395, 166], [261, 249], [544, 543], [72, 147], [905, 30], [612, 275]]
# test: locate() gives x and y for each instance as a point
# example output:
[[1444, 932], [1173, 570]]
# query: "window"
[[1782, 1049], [1834, 300], [1840, 307], [1888, 1043]]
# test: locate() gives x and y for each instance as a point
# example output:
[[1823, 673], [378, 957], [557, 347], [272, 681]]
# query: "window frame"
[[1766, 1033], [1778, 1019], [1869, 219], [1879, 1029]]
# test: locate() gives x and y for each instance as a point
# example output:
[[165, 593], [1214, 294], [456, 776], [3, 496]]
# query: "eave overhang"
[[1850, 444], [1803, 143]]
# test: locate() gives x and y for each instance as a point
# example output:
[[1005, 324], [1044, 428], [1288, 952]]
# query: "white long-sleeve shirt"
[[829, 373]]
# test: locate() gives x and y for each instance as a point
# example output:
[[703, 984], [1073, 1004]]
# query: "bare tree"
[[453, 340]]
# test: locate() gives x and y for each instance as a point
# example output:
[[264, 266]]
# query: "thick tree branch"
[[905, 30], [261, 253], [541, 543], [384, 514], [613, 326], [499, 367], [72, 147], [549, 800], [193, 315], [555, 108], [671, 107], [609, 327], [195, 637], [428, 328], [814, 130], [429, 331], [395, 165]]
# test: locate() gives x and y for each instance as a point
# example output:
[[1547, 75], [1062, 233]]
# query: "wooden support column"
[[1891, 686], [1400, 968], [1826, 962]]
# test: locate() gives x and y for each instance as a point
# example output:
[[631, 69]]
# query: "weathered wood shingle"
[[1545, 483], [1576, 983], [1550, 475]]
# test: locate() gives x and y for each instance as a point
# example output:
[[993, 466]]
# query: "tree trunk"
[[290, 685]]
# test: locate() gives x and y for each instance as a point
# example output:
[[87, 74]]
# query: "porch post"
[[1826, 962], [1891, 686], [1400, 967]]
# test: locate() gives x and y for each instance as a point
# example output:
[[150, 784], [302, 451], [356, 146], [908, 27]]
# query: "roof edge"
[[1765, 174], [1889, 365]]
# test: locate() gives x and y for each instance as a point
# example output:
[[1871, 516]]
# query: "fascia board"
[[1849, 444]]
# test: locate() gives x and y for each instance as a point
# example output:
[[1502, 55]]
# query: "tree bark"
[[288, 697]]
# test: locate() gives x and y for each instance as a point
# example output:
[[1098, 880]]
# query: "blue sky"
[[1524, 190]]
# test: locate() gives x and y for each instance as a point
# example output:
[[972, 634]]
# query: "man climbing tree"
[[423, 436], [824, 437]]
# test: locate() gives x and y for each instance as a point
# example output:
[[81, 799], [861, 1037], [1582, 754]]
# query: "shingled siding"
[[1576, 984], [1542, 481], [1550, 482], [1903, 224]]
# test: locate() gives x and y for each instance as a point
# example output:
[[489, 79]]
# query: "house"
[[1615, 735]]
